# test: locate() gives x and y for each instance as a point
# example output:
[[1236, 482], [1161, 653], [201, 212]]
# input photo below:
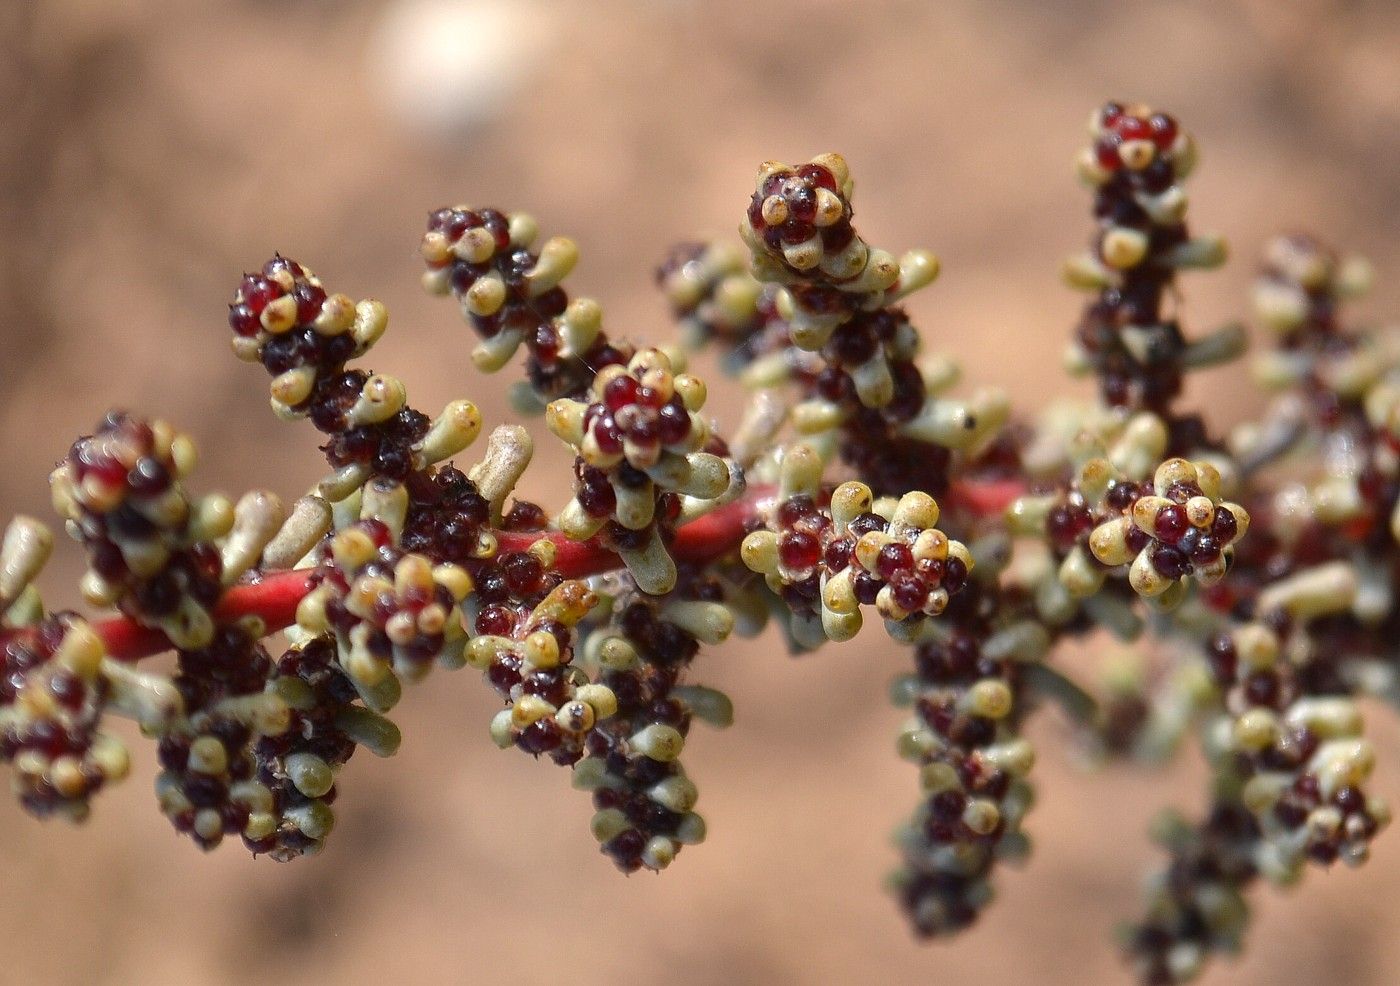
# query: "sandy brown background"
[[151, 151]]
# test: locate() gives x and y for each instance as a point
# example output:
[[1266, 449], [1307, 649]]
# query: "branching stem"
[[274, 596]]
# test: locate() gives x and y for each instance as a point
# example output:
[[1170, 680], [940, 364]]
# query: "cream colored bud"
[[658, 742]]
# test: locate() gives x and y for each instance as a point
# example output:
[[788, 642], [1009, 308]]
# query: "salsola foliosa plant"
[[862, 485]]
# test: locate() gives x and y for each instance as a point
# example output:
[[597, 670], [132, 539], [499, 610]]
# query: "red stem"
[[274, 597]]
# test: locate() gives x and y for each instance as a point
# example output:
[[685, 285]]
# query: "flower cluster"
[[298, 767], [641, 466], [52, 698], [149, 546], [529, 659], [1291, 764], [644, 800], [964, 735], [1180, 528], [512, 297], [713, 298], [864, 389], [1135, 165], [208, 787], [393, 613], [1297, 739], [826, 563], [284, 319], [1196, 906], [1299, 289]]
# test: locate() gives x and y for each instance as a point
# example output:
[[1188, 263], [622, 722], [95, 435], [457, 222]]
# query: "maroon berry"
[[1170, 563], [1224, 527], [243, 320], [930, 570], [148, 477], [1136, 538], [1262, 688], [309, 298], [798, 550], [1106, 153], [907, 591], [1171, 524], [867, 588], [794, 508], [540, 736], [1163, 129], [673, 423], [818, 175], [954, 575], [1132, 128], [257, 291], [1205, 550], [620, 391], [607, 435], [495, 621], [837, 554], [894, 557], [1066, 522]]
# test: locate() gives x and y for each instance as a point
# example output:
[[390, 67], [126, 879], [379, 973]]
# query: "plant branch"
[[274, 596]]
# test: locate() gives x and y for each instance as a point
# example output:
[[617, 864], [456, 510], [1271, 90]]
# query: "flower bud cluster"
[[715, 301], [393, 613], [528, 657], [1179, 530], [512, 297], [208, 786], [1098, 493], [644, 800], [258, 754], [1135, 165], [298, 766], [53, 694], [964, 735], [799, 229], [284, 319], [863, 391], [150, 547], [825, 563], [641, 465], [1300, 289], [1341, 391], [1296, 737], [1196, 906], [451, 516], [1291, 770]]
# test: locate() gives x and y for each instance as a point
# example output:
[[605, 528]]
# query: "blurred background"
[[150, 152]]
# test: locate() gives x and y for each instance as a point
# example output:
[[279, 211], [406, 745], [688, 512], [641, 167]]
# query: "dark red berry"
[[1163, 129], [1106, 153], [1171, 524], [1224, 527], [894, 557], [1132, 128], [243, 320], [907, 591], [620, 391], [1170, 563], [798, 551], [257, 291]]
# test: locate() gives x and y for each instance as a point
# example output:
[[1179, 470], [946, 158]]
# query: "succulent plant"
[[859, 485]]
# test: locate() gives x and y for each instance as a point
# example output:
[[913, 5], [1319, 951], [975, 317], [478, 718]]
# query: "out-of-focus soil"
[[149, 152]]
